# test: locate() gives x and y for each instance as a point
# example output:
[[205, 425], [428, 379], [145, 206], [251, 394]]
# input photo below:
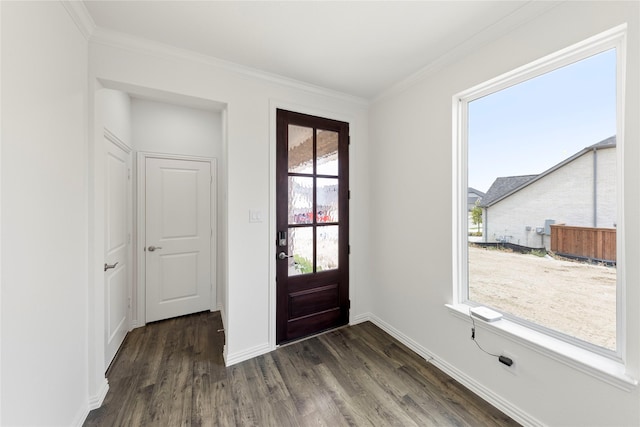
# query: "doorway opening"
[[166, 125]]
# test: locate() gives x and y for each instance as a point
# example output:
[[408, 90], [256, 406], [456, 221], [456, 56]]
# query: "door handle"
[[109, 266], [282, 255], [153, 248]]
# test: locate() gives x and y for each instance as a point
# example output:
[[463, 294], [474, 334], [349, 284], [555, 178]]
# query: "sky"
[[528, 128]]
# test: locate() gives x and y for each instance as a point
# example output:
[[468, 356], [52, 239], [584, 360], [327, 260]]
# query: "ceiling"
[[355, 47]]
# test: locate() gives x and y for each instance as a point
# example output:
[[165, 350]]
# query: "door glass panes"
[[300, 200], [327, 200], [300, 149], [327, 153], [313, 208], [327, 251], [300, 250]]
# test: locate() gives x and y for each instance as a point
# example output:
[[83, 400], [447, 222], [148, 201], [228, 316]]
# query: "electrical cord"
[[473, 336]]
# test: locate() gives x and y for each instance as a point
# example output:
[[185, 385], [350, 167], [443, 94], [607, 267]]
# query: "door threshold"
[[298, 340]]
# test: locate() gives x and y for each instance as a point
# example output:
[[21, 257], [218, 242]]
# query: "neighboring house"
[[579, 191], [473, 196]]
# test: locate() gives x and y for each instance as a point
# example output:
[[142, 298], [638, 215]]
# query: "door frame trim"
[[140, 212], [131, 277], [274, 105]]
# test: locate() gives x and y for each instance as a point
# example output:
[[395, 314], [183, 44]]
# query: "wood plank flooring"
[[172, 373]]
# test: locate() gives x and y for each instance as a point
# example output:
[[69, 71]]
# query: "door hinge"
[[128, 237], [349, 249], [349, 304], [129, 173], [349, 194], [211, 179]]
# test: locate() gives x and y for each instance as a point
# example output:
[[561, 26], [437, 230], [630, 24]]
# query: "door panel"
[[313, 225], [117, 296], [178, 237], [178, 278], [117, 246]]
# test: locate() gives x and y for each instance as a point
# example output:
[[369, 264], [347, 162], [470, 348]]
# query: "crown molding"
[[80, 15], [144, 46], [518, 17]]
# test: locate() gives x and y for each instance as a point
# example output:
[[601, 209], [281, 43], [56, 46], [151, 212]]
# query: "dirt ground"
[[575, 298]]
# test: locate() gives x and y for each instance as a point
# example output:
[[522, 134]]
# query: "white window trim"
[[604, 364]]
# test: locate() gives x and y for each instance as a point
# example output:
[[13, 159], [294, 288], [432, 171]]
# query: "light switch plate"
[[255, 215]]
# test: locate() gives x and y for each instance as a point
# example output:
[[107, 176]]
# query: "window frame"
[[528, 331]]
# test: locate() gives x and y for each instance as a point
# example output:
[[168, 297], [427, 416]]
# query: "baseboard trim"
[[223, 314], [250, 353], [135, 324], [404, 339], [486, 394], [80, 418], [361, 318], [96, 401]]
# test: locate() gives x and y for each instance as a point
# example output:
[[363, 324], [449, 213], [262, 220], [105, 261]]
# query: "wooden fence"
[[588, 242]]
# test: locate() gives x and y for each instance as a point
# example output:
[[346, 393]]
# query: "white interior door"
[[178, 237], [117, 275]]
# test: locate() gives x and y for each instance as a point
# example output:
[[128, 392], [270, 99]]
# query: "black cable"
[[473, 336]]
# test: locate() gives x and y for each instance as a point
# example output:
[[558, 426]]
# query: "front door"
[[312, 242], [178, 237], [117, 239]]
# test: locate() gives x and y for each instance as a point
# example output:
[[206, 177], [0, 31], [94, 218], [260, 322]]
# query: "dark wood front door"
[[312, 242]]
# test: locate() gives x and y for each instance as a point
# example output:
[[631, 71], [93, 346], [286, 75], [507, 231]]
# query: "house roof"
[[473, 196], [503, 187], [605, 143], [474, 191]]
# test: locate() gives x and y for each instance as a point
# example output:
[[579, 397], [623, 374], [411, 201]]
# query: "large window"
[[540, 150]]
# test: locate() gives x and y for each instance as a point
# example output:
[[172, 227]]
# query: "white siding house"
[[580, 191]]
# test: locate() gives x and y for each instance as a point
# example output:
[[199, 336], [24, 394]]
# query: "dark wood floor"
[[171, 373]]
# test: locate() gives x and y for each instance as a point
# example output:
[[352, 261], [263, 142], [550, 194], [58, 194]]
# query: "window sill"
[[601, 367]]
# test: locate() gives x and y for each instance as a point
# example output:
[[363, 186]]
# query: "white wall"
[[412, 259], [0, 216], [160, 127], [44, 216], [115, 110], [250, 155]]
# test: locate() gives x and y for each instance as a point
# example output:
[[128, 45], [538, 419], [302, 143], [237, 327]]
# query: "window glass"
[[542, 200]]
